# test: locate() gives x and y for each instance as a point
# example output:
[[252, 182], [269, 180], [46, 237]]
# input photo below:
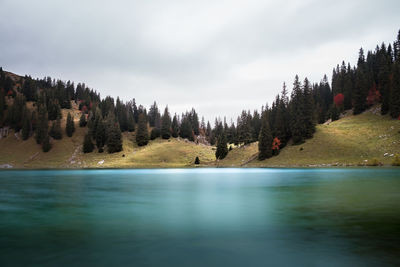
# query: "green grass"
[[353, 140]]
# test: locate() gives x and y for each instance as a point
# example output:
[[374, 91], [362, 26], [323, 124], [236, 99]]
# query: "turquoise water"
[[200, 217]]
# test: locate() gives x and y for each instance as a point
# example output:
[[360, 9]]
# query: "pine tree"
[[55, 130], [155, 133], [308, 109], [100, 135], [87, 144], [70, 126], [175, 127], [26, 125], [360, 85], [46, 146], [222, 149], [142, 134], [131, 121], [395, 95], [166, 125], [197, 161], [2, 105], [297, 122], [114, 142], [82, 120], [264, 140], [42, 124]]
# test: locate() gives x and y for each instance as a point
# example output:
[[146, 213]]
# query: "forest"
[[290, 119]]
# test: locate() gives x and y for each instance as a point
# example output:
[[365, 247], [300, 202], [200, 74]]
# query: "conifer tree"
[[46, 146], [131, 122], [197, 161], [297, 120], [395, 95], [55, 130], [26, 125], [222, 149], [100, 135], [264, 140], [2, 105], [70, 126], [308, 109], [42, 125], [166, 124], [142, 134], [114, 142], [82, 120], [87, 144], [175, 127]]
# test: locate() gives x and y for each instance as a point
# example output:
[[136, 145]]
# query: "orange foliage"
[[276, 143]]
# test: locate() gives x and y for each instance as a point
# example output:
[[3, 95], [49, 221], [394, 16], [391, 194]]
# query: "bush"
[[396, 161], [197, 161], [155, 133], [374, 162]]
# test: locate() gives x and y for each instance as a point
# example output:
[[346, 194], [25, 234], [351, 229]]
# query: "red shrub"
[[339, 99]]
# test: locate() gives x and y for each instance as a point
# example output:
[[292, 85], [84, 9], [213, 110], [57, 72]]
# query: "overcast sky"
[[217, 56]]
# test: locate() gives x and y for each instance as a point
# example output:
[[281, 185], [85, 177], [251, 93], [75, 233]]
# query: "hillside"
[[352, 140]]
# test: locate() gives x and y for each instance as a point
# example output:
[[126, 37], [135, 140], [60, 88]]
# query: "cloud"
[[217, 56]]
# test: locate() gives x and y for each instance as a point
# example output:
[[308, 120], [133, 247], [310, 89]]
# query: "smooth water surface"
[[200, 217]]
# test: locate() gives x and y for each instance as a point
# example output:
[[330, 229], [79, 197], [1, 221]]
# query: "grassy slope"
[[348, 141]]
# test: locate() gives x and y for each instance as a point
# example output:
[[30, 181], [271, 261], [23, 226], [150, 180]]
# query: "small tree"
[[222, 149], [197, 161], [155, 133], [46, 146], [26, 128], [142, 134], [114, 142], [82, 120], [70, 126], [276, 143], [166, 125], [87, 144], [55, 130], [264, 140]]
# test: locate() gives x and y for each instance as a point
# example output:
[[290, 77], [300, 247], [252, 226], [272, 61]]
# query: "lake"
[[200, 217]]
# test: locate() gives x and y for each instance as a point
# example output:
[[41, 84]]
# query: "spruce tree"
[[308, 109], [2, 105], [26, 125], [264, 140], [197, 161], [155, 133], [70, 126], [131, 122], [87, 144], [100, 135], [166, 125], [114, 142], [42, 124], [297, 122], [55, 130], [82, 120], [175, 127], [395, 95], [142, 134], [46, 146], [222, 149]]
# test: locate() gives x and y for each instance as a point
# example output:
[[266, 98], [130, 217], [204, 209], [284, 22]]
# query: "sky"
[[217, 56]]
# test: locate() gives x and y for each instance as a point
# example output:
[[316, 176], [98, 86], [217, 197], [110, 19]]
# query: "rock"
[[6, 166], [386, 154], [100, 162]]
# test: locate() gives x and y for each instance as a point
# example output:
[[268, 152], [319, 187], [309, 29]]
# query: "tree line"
[[290, 118]]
